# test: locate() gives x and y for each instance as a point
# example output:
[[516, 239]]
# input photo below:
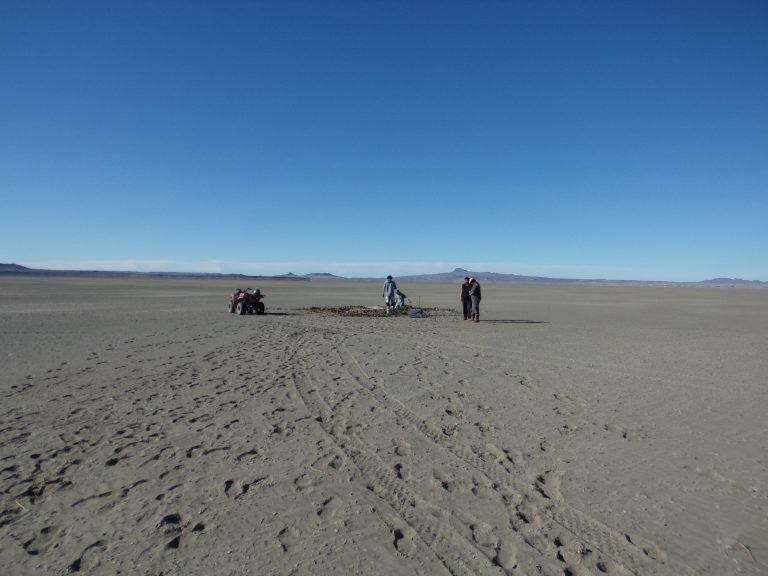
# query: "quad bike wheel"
[[259, 307], [241, 308], [230, 308]]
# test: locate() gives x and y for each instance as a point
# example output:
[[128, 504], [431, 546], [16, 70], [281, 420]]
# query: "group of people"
[[470, 298]]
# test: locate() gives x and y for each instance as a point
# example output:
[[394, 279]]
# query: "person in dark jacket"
[[475, 295], [466, 301]]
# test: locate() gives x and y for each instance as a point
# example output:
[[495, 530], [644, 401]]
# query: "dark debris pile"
[[365, 311]]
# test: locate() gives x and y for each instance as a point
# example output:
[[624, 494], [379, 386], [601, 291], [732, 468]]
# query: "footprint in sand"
[[403, 448], [303, 482], [170, 525], [527, 514], [404, 541], [42, 541], [238, 489], [506, 555], [548, 485], [626, 433], [402, 472], [573, 400], [329, 509], [482, 533], [90, 557], [289, 537], [248, 455]]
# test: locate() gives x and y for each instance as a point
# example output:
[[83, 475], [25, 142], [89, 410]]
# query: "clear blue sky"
[[576, 139]]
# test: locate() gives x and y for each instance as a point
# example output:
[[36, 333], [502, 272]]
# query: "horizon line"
[[217, 267]]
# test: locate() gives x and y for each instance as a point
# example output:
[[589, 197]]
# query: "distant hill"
[[16, 269], [13, 268], [458, 274], [454, 276], [323, 276], [733, 282]]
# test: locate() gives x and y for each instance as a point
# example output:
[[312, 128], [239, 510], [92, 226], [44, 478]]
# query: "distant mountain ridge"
[[13, 268], [733, 282], [456, 275], [16, 269], [323, 276]]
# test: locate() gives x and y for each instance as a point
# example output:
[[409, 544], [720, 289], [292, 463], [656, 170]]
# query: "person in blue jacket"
[[390, 288]]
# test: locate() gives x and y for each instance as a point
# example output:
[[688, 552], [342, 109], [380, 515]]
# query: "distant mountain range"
[[455, 276], [733, 282], [13, 268], [458, 274], [16, 269]]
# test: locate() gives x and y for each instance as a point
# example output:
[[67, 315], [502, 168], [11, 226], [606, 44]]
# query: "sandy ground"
[[576, 430]]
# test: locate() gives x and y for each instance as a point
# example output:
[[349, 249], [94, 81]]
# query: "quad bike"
[[246, 302]]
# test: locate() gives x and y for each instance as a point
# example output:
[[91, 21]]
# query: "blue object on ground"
[[418, 313]]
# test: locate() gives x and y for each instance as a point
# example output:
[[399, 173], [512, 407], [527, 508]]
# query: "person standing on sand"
[[389, 294], [475, 295], [466, 301]]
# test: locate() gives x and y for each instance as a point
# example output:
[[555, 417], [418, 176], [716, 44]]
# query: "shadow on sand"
[[513, 322]]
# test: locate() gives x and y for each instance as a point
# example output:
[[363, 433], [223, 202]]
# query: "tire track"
[[623, 554], [456, 553], [640, 560]]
